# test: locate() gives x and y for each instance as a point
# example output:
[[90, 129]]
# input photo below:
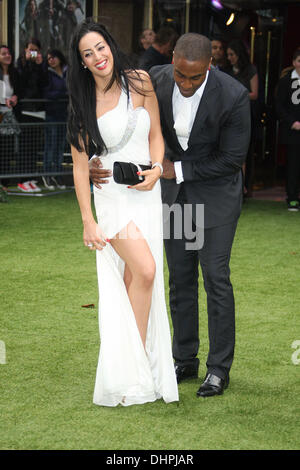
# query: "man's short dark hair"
[[164, 35], [193, 47]]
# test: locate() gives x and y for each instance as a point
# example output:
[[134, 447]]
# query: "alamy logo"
[[296, 354], [179, 222], [296, 93], [188, 224], [2, 352]]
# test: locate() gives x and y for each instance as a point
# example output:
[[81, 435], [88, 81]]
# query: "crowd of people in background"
[[33, 78], [36, 93]]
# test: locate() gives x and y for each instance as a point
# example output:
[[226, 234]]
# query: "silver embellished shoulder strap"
[[131, 125]]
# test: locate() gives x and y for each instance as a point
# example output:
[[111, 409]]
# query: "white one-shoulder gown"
[[126, 373]]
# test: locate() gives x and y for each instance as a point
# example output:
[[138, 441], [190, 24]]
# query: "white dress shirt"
[[178, 103]]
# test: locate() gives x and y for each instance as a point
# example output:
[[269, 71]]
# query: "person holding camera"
[[32, 70]]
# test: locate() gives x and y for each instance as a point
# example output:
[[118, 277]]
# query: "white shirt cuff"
[[178, 172]]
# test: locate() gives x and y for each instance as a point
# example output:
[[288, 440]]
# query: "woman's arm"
[[91, 231], [156, 141], [253, 95]]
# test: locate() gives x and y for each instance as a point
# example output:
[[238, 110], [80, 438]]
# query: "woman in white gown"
[[114, 114]]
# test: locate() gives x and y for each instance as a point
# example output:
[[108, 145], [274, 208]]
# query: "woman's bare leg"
[[139, 274]]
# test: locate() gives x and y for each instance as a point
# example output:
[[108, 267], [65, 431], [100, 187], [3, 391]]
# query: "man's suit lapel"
[[205, 103], [167, 100], [167, 107]]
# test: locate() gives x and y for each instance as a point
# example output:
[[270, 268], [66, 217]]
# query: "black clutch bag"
[[126, 173]]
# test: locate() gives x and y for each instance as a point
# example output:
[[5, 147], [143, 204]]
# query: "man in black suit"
[[202, 165], [205, 116]]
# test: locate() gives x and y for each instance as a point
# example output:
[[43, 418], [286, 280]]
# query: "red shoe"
[[34, 187], [25, 187]]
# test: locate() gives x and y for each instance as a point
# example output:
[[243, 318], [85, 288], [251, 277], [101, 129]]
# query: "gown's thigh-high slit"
[[139, 270]]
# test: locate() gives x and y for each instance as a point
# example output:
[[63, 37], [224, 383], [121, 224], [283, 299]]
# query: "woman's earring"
[[84, 66]]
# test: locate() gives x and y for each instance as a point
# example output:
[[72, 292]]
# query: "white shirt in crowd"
[[6, 92], [295, 74]]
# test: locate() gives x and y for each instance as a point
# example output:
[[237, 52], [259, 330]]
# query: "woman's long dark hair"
[[82, 131], [57, 53], [239, 48], [11, 68]]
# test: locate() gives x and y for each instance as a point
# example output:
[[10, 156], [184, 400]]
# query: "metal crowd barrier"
[[34, 148]]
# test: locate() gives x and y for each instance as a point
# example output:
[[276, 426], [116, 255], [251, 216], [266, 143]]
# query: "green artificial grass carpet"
[[50, 343]]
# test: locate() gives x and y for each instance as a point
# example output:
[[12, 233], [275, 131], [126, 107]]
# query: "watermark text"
[[296, 354], [2, 352]]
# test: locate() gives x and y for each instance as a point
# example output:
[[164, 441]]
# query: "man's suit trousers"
[[214, 258]]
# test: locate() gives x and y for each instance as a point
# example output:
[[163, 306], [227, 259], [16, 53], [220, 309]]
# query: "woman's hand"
[[12, 101], [93, 237], [296, 126], [39, 58], [151, 176]]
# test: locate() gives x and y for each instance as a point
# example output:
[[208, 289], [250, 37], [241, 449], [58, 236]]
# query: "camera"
[[33, 54]]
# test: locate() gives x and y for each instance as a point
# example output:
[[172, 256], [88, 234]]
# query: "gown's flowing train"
[[127, 373]]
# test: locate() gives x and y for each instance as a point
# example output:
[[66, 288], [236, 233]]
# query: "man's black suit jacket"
[[217, 146]]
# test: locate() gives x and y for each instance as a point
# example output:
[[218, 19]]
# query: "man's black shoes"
[[212, 385], [186, 372]]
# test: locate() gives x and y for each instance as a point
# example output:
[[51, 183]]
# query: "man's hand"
[[169, 171], [97, 173]]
